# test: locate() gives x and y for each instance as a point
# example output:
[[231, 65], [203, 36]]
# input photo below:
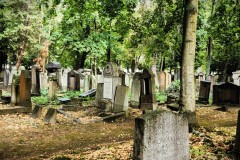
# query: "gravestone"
[[147, 94], [87, 83], [6, 77], [204, 91], [161, 135], [15, 90], [37, 111], [135, 90], [43, 80], [99, 94], [162, 81], [225, 93], [121, 99], [35, 80], [154, 71], [74, 80], [93, 83], [13, 72], [65, 79], [50, 116], [59, 77], [100, 79], [52, 89], [25, 89], [236, 77], [111, 80], [89, 93], [237, 140]]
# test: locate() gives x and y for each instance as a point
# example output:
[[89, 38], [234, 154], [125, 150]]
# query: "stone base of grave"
[[134, 104], [148, 106], [12, 110]]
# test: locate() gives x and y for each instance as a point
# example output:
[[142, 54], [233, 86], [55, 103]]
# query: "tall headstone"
[[87, 83], [154, 71], [147, 94], [13, 72], [25, 89], [59, 77], [6, 77], [43, 80], [99, 94], [121, 99], [74, 80], [111, 81], [135, 90], [162, 81], [161, 135], [15, 90], [52, 89], [65, 79], [204, 91]]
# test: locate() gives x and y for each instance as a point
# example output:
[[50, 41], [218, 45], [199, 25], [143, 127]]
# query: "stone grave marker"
[[43, 80], [52, 89], [111, 80], [204, 91], [236, 77], [162, 81], [25, 89], [13, 72], [87, 83], [100, 79], [15, 90], [225, 93], [154, 71], [99, 94], [121, 99], [59, 77], [161, 135], [147, 94], [237, 140], [6, 77], [89, 93], [37, 111], [50, 116], [135, 90], [65, 79], [74, 80]]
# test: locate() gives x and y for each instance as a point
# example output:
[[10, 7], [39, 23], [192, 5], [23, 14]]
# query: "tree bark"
[[209, 58], [187, 94]]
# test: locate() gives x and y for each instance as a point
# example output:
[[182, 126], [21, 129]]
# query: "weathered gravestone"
[[204, 91], [6, 77], [99, 94], [147, 94], [65, 79], [87, 83], [59, 77], [52, 88], [111, 80], [224, 93], [74, 80], [135, 90], [15, 90], [25, 89], [43, 80], [37, 111], [162, 81], [121, 99], [154, 71], [161, 135], [237, 140], [35, 80], [50, 116], [13, 72], [236, 77]]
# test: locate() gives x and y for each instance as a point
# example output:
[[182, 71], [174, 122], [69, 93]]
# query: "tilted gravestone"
[[161, 135], [37, 111], [25, 89], [99, 94], [50, 116], [147, 94], [135, 90], [121, 99]]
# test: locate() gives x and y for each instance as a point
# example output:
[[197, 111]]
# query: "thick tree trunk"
[[80, 60], [133, 66], [187, 95]]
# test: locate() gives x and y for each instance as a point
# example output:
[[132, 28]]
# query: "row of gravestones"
[[112, 94]]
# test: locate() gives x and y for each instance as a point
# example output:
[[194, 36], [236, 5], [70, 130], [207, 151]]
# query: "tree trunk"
[[21, 55], [80, 60], [133, 66], [208, 62], [108, 54], [187, 94]]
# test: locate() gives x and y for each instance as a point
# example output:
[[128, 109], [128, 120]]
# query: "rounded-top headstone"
[[111, 69]]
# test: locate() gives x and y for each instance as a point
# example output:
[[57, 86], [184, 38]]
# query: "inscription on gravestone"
[[107, 88]]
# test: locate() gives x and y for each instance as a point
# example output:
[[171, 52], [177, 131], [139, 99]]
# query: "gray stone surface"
[[6, 77], [99, 94], [37, 111], [50, 116], [121, 99], [161, 135], [135, 90]]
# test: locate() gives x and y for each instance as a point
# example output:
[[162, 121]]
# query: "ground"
[[23, 137]]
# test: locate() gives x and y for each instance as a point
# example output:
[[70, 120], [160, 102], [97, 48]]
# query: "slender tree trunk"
[[209, 58], [108, 54], [187, 94]]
